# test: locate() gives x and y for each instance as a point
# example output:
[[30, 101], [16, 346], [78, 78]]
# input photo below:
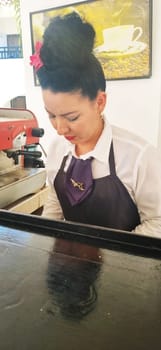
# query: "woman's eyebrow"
[[63, 114], [47, 110], [68, 113]]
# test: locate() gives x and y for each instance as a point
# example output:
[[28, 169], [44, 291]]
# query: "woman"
[[98, 174]]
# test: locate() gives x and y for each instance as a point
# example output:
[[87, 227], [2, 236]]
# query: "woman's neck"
[[83, 148]]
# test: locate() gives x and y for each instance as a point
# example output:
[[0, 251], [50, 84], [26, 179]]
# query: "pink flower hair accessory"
[[35, 59]]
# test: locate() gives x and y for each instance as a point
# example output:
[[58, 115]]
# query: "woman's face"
[[74, 116]]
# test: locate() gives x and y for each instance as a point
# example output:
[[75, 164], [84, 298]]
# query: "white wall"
[[3, 38], [8, 25], [7, 20], [133, 104], [12, 73], [159, 129], [12, 77]]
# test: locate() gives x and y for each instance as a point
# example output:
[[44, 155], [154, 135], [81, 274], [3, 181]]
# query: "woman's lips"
[[70, 138]]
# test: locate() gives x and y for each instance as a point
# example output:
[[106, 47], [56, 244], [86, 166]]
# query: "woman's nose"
[[61, 126]]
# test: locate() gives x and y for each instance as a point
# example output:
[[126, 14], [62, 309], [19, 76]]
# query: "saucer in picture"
[[135, 47]]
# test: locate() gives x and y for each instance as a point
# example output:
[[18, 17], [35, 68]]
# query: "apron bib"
[[109, 204]]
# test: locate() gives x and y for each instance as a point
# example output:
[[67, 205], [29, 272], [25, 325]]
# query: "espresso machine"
[[22, 168]]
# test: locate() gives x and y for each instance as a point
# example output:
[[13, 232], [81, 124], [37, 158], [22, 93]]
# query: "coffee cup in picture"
[[120, 38]]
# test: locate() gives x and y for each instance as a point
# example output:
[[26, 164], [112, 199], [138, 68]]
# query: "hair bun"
[[68, 40]]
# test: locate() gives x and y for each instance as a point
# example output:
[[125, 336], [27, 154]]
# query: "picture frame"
[[123, 34]]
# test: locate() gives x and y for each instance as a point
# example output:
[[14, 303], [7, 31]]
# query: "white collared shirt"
[[137, 164]]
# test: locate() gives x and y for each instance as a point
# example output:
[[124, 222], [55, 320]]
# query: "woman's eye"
[[52, 116], [72, 119]]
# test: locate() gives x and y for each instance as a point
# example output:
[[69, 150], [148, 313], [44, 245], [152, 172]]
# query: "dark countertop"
[[59, 292]]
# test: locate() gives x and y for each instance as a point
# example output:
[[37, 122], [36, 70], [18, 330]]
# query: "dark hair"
[[67, 55]]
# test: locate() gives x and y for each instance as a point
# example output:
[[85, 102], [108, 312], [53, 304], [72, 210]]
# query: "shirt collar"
[[101, 149]]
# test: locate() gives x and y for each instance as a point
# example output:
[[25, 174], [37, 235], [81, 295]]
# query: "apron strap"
[[63, 163], [112, 160]]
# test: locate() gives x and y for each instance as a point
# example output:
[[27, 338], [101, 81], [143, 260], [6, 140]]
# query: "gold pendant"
[[80, 185]]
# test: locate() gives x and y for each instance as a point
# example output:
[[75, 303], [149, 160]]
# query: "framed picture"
[[123, 34]]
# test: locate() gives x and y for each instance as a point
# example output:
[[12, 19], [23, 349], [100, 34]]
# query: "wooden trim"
[[31, 203]]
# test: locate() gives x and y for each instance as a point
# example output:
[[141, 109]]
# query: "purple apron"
[[109, 204]]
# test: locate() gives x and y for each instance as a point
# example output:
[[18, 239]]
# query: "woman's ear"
[[101, 101]]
